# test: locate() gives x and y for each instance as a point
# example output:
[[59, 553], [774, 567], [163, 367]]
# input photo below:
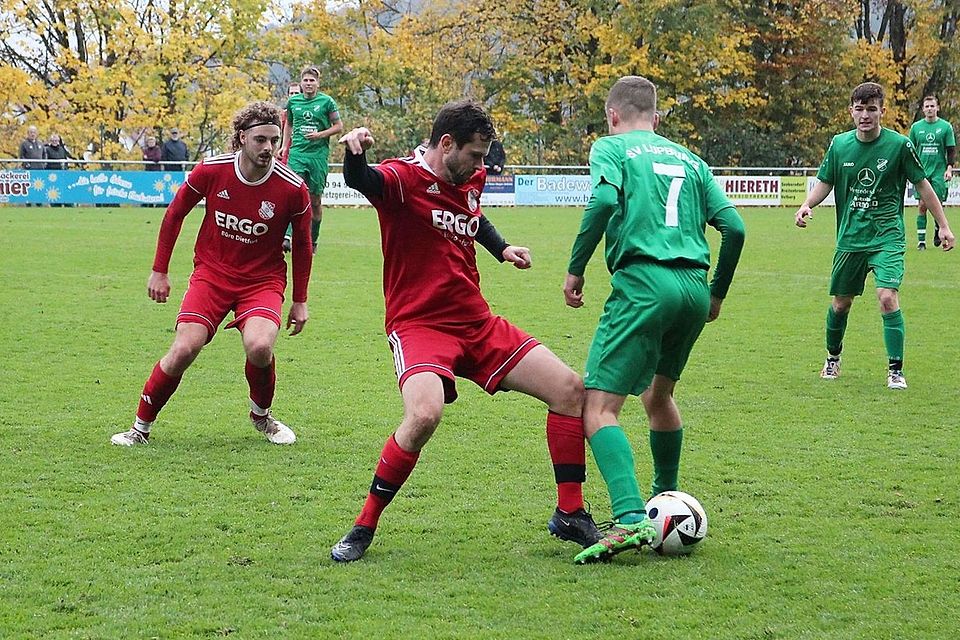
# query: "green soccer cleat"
[[619, 537]]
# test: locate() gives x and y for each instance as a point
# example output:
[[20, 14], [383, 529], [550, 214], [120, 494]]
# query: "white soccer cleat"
[[129, 438], [275, 431], [831, 369], [895, 380]]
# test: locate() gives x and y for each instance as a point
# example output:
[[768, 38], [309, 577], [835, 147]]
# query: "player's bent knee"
[[569, 396]]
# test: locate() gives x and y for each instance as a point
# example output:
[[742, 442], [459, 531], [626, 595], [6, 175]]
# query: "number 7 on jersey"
[[678, 175]]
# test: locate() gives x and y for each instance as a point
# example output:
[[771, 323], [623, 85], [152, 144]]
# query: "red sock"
[[157, 390], [565, 440], [263, 382], [392, 471]]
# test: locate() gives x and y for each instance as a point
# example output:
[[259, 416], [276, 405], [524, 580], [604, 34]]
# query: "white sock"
[[141, 426], [257, 409]]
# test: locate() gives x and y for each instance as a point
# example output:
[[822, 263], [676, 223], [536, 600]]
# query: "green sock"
[[315, 230], [893, 334], [614, 457], [665, 447], [921, 228], [836, 327]]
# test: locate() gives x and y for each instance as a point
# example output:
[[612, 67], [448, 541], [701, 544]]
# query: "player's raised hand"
[[803, 213], [947, 241], [158, 286], [297, 317], [573, 291], [518, 256], [357, 140]]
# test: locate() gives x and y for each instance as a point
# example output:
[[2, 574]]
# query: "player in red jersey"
[[238, 266], [438, 324]]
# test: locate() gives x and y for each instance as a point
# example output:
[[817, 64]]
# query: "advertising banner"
[[553, 190], [22, 186], [499, 192], [751, 190]]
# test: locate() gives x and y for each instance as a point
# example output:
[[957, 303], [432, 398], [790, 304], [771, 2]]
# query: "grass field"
[[834, 507]]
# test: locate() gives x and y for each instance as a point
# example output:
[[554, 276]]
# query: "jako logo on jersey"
[[224, 195], [266, 209], [882, 164], [233, 223], [459, 223], [866, 177], [473, 199]]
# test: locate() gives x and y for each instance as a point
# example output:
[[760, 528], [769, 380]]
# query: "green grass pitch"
[[833, 507]]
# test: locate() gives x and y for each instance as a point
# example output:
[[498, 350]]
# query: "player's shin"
[[665, 446], [614, 457], [263, 383], [565, 440], [836, 328], [393, 469], [893, 335], [157, 390]]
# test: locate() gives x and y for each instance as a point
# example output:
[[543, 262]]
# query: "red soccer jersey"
[[241, 236], [427, 229]]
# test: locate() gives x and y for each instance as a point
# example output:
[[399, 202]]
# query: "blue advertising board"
[[36, 186], [553, 190]]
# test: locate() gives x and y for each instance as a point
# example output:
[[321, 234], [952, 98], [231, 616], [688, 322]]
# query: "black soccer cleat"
[[353, 545], [577, 526]]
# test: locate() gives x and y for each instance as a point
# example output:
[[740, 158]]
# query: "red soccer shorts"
[[484, 352], [207, 301]]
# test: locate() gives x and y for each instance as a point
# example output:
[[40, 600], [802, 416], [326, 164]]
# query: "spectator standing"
[[32, 149], [173, 150], [152, 155], [56, 153]]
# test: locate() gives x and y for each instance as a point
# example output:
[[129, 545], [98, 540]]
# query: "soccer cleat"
[[577, 526], [276, 431], [353, 545], [287, 244], [619, 538], [921, 245], [895, 379], [831, 368], [130, 438]]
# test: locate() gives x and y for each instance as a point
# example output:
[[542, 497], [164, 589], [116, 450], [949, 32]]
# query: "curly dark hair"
[[256, 113]]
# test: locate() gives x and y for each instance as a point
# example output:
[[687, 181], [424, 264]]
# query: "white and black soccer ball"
[[680, 521]]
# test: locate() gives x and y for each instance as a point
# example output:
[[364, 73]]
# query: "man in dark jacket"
[[173, 150]]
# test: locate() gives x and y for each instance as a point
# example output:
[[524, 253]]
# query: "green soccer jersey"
[[868, 181], [667, 195], [307, 116], [931, 140]]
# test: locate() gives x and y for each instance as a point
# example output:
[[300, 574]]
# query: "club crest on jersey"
[[882, 164], [266, 209], [473, 200]]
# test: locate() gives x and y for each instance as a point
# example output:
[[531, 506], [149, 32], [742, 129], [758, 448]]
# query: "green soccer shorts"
[[312, 168], [850, 270], [649, 324], [939, 187]]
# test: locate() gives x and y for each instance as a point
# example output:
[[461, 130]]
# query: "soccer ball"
[[680, 521]]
